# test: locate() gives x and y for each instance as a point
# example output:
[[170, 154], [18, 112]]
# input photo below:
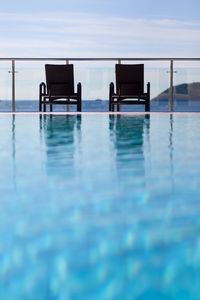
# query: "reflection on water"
[[130, 136], [127, 134], [59, 136], [171, 148]]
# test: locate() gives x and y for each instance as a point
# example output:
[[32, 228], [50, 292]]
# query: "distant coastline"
[[182, 92]]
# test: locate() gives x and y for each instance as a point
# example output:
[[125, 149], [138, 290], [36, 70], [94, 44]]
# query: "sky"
[[101, 29], [106, 28]]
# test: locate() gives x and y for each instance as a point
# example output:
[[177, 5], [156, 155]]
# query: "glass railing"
[[175, 83]]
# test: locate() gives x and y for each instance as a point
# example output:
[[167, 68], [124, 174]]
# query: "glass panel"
[[157, 73], [95, 77], [186, 86], [5, 86], [28, 77]]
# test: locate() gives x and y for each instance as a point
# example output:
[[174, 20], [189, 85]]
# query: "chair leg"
[[40, 102], [111, 95], [79, 106], [118, 107], [79, 92], [51, 107], [147, 106], [147, 103], [44, 107], [110, 105]]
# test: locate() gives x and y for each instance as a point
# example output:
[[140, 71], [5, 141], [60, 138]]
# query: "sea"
[[102, 106]]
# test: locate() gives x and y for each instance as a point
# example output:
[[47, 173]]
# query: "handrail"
[[117, 59], [102, 59]]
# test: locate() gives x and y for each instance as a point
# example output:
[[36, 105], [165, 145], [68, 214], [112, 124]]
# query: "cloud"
[[83, 35]]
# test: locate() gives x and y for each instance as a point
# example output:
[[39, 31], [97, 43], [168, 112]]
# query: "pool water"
[[100, 206]]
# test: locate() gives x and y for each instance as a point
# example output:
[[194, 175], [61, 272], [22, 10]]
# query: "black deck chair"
[[129, 85], [59, 85]]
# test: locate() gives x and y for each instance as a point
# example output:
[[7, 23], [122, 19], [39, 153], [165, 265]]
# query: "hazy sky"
[[106, 28]]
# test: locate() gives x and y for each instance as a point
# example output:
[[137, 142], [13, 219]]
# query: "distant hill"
[[185, 91]]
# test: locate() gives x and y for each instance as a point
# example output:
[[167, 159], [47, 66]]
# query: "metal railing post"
[[171, 84], [13, 85]]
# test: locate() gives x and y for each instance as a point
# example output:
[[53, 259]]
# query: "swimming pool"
[[99, 206]]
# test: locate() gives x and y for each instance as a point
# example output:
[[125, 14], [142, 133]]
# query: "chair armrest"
[[42, 88], [79, 88], [148, 88], [111, 88]]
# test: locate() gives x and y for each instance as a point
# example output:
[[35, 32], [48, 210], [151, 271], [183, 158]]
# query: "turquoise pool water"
[[100, 207]]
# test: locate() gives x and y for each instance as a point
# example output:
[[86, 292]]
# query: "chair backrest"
[[60, 79], [130, 79]]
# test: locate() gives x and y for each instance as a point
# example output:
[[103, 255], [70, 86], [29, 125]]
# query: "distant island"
[[185, 91]]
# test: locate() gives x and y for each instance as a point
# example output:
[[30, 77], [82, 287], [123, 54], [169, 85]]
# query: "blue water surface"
[[100, 206]]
